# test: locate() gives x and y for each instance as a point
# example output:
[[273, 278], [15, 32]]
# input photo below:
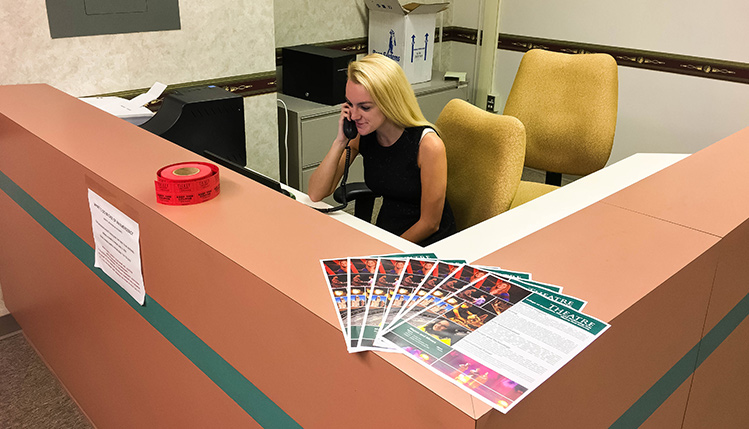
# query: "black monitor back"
[[203, 118]]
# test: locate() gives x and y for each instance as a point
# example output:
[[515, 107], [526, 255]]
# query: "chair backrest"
[[485, 154], [568, 104]]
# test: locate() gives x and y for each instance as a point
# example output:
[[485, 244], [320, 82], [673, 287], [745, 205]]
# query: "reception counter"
[[238, 329]]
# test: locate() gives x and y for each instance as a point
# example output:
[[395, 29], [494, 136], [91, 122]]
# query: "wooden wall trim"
[[244, 85], [651, 60]]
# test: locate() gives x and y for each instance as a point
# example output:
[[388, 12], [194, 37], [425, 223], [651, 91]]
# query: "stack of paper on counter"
[[495, 333]]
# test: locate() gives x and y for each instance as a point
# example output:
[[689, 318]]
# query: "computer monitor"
[[254, 175], [203, 118]]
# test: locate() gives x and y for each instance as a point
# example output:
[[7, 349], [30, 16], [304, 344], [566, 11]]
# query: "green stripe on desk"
[[227, 378], [644, 407]]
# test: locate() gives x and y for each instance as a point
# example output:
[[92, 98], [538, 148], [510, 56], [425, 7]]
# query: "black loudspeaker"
[[315, 73], [203, 118]]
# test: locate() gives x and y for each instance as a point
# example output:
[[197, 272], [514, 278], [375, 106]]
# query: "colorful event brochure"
[[495, 335], [409, 255], [434, 273], [547, 286], [337, 278], [507, 273], [498, 349], [386, 280], [361, 278], [523, 278], [440, 297], [416, 271], [567, 300]]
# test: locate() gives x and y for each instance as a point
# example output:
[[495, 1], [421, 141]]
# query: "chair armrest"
[[354, 191], [362, 195]]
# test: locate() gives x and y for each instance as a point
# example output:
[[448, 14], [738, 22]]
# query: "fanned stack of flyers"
[[496, 334]]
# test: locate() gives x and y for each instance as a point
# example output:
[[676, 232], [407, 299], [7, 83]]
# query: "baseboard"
[[8, 326]]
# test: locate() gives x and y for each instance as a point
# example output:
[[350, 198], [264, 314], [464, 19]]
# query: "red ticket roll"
[[187, 183]]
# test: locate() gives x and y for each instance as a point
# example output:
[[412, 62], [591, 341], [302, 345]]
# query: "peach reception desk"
[[238, 330]]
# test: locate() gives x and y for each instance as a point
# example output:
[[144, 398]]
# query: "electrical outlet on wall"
[[490, 100]]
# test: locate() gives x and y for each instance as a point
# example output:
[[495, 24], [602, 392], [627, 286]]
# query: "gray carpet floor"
[[30, 395]]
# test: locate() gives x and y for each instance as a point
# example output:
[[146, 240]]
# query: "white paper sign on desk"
[[117, 241]]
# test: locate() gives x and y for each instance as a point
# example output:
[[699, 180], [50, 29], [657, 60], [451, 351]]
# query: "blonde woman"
[[404, 158]]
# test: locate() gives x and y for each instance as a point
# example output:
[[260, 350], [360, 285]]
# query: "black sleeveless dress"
[[394, 173]]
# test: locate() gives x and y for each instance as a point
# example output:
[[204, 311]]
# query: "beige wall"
[[712, 29], [217, 39], [312, 21]]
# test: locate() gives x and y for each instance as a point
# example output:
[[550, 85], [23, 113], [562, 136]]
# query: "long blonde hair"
[[386, 82]]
